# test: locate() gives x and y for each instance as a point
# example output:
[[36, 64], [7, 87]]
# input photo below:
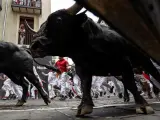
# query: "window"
[[24, 36]]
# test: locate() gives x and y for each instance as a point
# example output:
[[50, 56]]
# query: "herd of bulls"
[[95, 49]]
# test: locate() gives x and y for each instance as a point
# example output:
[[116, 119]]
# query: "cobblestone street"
[[105, 108]]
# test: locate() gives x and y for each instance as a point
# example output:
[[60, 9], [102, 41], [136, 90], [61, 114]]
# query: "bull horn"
[[28, 27], [74, 9]]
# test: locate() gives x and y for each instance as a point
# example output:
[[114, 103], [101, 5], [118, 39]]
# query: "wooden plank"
[[121, 15]]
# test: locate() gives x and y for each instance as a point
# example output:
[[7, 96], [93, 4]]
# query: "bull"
[[95, 50], [17, 63]]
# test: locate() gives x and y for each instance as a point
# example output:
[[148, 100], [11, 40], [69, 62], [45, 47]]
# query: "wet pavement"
[[105, 109]]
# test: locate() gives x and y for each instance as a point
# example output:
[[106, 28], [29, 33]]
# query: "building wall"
[[46, 11], [12, 20], [0, 5]]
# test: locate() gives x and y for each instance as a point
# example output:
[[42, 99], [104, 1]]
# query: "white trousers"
[[96, 84], [34, 93], [77, 85], [17, 90], [63, 78], [51, 91], [11, 86], [117, 84]]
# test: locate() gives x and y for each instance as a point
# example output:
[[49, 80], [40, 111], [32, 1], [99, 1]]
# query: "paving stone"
[[37, 110]]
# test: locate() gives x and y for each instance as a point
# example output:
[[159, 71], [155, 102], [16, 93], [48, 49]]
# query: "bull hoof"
[[79, 113], [139, 111], [87, 109], [46, 99], [20, 103], [145, 110]]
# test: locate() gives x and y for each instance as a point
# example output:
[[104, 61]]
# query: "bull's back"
[[8, 48], [106, 40], [7, 51]]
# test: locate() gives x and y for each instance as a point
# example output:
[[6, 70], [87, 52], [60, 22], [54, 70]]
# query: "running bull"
[[17, 63], [95, 50]]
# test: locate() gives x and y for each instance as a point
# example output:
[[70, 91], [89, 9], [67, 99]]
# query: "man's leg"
[[33, 92], [118, 88], [17, 90]]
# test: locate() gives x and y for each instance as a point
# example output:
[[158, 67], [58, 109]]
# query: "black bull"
[[17, 63], [95, 50]]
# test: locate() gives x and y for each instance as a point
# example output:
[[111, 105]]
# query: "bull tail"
[[47, 66]]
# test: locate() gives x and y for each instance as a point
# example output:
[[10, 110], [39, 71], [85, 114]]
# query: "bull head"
[[41, 42], [73, 10]]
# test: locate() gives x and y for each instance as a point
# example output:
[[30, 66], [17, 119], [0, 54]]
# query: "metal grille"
[[28, 3]]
